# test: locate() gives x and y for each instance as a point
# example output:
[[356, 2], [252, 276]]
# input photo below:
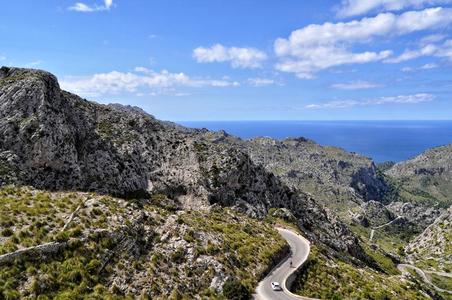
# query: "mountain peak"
[[12, 75]]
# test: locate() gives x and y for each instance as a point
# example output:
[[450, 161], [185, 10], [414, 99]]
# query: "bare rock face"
[[53, 139]]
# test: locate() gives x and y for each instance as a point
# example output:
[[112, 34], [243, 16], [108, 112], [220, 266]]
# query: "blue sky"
[[243, 60]]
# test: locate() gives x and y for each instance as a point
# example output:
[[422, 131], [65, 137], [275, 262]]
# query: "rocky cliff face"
[[52, 139]]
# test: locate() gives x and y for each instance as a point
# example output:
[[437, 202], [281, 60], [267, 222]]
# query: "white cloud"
[[408, 69], [143, 70], [427, 66], [238, 57], [2, 57], [401, 99], [142, 79], [432, 38], [82, 7], [317, 47], [443, 50], [355, 85], [412, 54], [257, 82], [350, 8], [108, 3]]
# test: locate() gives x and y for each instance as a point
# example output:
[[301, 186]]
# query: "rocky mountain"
[[423, 185], [427, 177], [339, 180]]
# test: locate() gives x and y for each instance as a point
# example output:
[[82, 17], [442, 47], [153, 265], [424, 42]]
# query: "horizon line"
[[320, 120]]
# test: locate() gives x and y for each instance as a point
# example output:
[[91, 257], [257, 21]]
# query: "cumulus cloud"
[[400, 99], [82, 7], [141, 81], [350, 8], [317, 47], [237, 57], [355, 85]]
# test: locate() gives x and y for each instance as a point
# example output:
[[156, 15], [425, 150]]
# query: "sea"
[[380, 140]]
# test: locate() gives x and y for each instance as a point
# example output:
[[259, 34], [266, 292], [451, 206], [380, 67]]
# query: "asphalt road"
[[300, 248]]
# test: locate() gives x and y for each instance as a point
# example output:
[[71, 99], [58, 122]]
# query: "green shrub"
[[178, 256], [189, 236], [7, 232], [235, 290]]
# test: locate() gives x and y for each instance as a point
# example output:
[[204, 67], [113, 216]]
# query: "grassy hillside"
[[113, 248], [327, 278]]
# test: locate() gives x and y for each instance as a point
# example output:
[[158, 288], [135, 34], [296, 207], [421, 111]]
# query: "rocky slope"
[[428, 177], [72, 245], [432, 249], [423, 185], [339, 180]]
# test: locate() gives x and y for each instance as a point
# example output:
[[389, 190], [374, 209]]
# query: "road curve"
[[299, 248], [381, 226], [403, 267]]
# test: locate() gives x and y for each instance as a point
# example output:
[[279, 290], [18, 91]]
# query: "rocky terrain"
[[70, 244], [144, 207], [423, 186], [339, 180], [432, 249], [427, 177]]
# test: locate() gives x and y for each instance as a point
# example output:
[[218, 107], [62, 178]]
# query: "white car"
[[276, 286]]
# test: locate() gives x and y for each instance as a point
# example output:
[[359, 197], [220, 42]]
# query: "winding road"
[[403, 268], [299, 247], [372, 232], [284, 273]]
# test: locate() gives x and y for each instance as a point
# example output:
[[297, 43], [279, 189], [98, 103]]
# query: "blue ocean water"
[[379, 140]]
